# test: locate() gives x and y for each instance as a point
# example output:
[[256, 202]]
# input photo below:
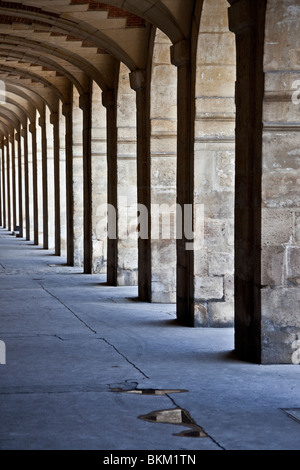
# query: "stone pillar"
[[99, 181], [54, 120], [109, 102], [1, 194], [163, 171], [181, 58], [8, 185], [280, 201], [13, 177], [246, 20], [32, 130], [215, 167], [50, 179], [42, 124], [138, 82], [78, 181], [3, 185], [85, 105], [20, 185], [68, 113], [26, 184], [62, 180], [127, 269]]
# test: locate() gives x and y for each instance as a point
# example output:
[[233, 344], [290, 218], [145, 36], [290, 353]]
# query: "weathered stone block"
[[127, 277], [280, 189], [273, 266], [225, 169], [281, 150], [201, 262], [221, 314], [209, 288], [217, 205], [280, 308], [214, 233], [277, 226], [280, 325], [229, 288], [200, 315], [297, 227], [221, 263], [293, 264], [204, 169]]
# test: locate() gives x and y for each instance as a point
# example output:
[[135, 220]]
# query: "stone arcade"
[[143, 102]]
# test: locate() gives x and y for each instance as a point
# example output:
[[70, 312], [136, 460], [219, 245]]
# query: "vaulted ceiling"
[[45, 45]]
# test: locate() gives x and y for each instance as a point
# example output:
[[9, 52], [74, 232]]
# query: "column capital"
[[54, 118], [23, 132], [109, 98], [85, 101], [42, 122], [17, 136], [67, 109], [241, 16], [32, 127], [181, 53], [138, 79]]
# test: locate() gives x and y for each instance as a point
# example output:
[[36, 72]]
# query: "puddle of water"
[[148, 391], [179, 417], [293, 413]]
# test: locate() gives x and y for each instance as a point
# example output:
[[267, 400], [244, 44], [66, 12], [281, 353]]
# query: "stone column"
[[1, 195], [99, 181], [62, 180], [138, 82], [68, 113], [268, 293], [78, 181], [163, 171], [50, 179], [26, 183], [246, 19], [8, 185], [85, 105], [181, 58], [109, 102], [13, 177], [3, 186], [32, 130], [54, 120], [214, 157], [20, 185], [42, 123], [127, 182]]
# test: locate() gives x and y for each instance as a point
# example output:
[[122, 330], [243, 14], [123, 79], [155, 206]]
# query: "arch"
[[173, 18]]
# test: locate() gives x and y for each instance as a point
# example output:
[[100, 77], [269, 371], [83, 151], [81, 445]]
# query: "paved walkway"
[[90, 367]]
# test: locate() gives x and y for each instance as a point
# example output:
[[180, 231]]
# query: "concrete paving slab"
[[74, 345]]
